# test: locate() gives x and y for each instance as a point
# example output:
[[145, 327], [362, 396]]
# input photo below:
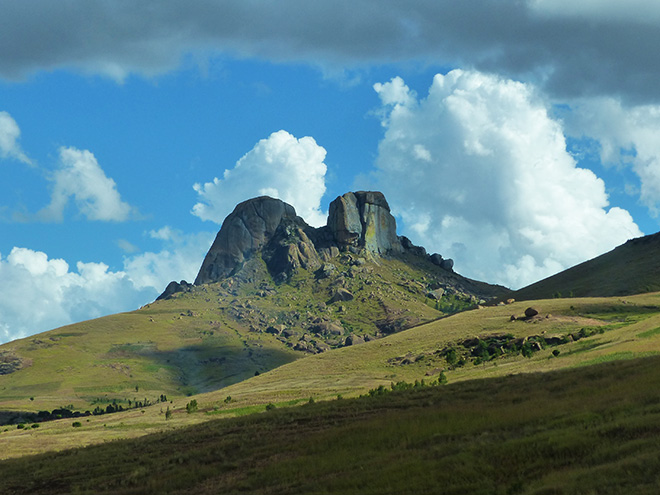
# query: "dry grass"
[[628, 331]]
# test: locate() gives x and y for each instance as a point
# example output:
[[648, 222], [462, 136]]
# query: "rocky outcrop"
[[359, 221], [362, 220], [173, 287], [247, 229]]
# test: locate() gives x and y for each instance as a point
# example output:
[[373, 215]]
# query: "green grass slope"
[[480, 344], [583, 430], [631, 268], [220, 334]]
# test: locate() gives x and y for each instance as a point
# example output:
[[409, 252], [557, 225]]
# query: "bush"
[[76, 424], [191, 407], [270, 406], [168, 413]]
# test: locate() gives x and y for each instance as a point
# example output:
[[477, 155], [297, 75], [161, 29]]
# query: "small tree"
[[168, 413], [191, 407]]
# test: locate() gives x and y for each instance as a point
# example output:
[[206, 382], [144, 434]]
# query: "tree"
[[191, 407]]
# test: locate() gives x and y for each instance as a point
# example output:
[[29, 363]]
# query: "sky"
[[517, 137]]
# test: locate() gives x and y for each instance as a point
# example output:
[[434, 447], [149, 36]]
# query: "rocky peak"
[[246, 230], [363, 220], [359, 222]]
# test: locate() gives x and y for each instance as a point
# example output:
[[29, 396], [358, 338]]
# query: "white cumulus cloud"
[[180, 259], [9, 135], [80, 177], [280, 166], [38, 293], [627, 136], [479, 172]]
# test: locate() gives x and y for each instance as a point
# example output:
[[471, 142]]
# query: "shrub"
[[270, 406], [76, 424], [556, 352], [168, 413], [35, 425], [191, 407]]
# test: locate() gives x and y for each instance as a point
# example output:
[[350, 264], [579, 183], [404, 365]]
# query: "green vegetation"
[[557, 432], [222, 334]]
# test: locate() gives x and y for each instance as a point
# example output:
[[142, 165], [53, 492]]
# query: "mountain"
[[632, 268], [271, 290]]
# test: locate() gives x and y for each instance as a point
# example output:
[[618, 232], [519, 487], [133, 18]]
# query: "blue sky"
[[518, 138]]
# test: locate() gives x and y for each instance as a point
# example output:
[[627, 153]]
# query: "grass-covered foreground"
[[589, 430]]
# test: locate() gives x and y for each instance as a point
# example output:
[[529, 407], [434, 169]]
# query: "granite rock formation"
[[358, 222]]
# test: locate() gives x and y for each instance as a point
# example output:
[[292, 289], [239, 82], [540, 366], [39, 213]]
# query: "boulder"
[[436, 259], [173, 287], [341, 295], [353, 339], [530, 312], [435, 294], [447, 264]]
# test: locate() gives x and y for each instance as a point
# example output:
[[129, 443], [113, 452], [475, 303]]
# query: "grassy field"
[[584, 430], [218, 334], [614, 329]]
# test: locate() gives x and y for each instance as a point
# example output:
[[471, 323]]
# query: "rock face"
[[363, 220], [359, 221], [173, 287], [247, 229]]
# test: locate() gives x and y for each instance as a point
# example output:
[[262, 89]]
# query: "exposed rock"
[[9, 362], [363, 220], [447, 264], [353, 339], [326, 270], [407, 245], [341, 295], [173, 287], [327, 328], [436, 259], [436, 294], [530, 312], [274, 330], [248, 228]]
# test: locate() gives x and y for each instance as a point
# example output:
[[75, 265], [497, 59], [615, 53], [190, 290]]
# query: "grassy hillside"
[[558, 432], [631, 268], [220, 334], [575, 332]]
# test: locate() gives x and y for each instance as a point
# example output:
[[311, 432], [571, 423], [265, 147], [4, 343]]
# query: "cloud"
[[280, 166], [479, 172], [180, 259], [80, 177], [38, 293], [9, 135], [626, 136], [572, 48]]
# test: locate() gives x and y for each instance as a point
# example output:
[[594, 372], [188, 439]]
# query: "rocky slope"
[[349, 281]]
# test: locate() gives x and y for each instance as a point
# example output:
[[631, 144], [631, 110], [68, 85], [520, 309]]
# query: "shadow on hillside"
[[200, 368]]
